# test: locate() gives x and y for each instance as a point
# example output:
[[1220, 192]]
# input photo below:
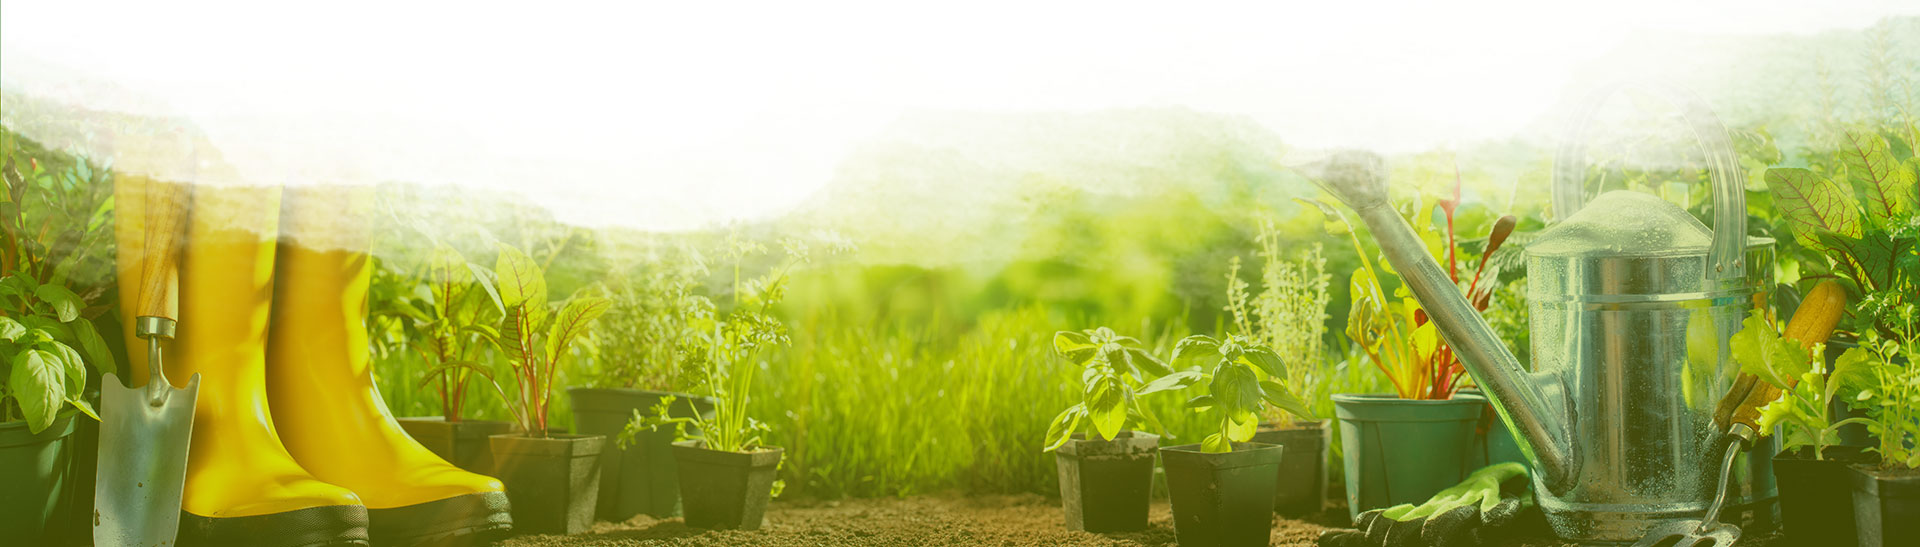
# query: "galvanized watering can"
[[1631, 302]]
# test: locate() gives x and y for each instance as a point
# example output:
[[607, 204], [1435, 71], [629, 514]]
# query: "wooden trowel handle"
[[165, 205], [1818, 315]]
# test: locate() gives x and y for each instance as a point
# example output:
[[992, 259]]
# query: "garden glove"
[[1492, 504]]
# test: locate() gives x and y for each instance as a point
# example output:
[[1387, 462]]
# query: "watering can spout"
[[1533, 408]]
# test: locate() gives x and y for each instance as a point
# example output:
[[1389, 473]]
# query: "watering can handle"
[[1726, 258]]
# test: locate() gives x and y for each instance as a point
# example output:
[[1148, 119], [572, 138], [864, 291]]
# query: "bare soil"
[[1006, 521]]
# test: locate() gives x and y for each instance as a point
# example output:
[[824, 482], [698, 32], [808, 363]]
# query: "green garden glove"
[[1486, 506]]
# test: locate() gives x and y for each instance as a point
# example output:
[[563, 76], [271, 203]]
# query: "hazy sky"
[[679, 114]]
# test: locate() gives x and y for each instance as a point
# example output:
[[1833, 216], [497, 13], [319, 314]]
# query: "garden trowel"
[[145, 431]]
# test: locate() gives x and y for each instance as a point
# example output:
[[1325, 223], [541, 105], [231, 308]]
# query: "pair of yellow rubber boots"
[[292, 445]]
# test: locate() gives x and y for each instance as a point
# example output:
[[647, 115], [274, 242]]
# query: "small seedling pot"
[[1222, 500], [464, 443], [552, 482], [1404, 450], [1886, 505], [34, 472], [726, 490], [640, 478], [1816, 496], [1302, 486], [1106, 486]]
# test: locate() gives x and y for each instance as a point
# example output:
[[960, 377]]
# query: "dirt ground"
[[1007, 521]]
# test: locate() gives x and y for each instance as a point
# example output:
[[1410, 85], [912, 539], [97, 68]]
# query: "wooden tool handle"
[[165, 208]]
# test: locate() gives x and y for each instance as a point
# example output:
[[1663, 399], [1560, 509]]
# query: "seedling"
[[1231, 369], [1114, 373]]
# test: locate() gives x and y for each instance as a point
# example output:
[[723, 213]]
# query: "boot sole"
[[469, 519], [333, 525]]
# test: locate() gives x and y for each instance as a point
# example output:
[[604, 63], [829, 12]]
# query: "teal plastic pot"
[[1403, 450], [642, 477], [34, 470], [1495, 441]]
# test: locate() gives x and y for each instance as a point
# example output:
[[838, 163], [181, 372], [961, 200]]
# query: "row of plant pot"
[[561, 483], [1222, 499], [1843, 496]]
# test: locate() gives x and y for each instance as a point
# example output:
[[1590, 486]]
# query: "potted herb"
[[1289, 314], [1406, 446], [55, 276], [1106, 471], [452, 322], [1223, 488], [1886, 497], [552, 479], [727, 474], [653, 311]]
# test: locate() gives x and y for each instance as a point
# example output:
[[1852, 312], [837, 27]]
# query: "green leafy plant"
[[449, 324], [55, 272], [1289, 314], [1860, 218], [1236, 394], [725, 358], [1802, 412], [535, 337], [1114, 373], [655, 308], [1892, 393]]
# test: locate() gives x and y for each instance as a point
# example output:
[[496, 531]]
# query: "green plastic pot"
[[640, 478], [1301, 489], [726, 490], [465, 443], [1222, 500], [34, 475], [1404, 450], [1495, 443], [1106, 486], [552, 482]]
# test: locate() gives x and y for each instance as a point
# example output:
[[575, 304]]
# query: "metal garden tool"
[[145, 432], [1708, 531], [1631, 303]]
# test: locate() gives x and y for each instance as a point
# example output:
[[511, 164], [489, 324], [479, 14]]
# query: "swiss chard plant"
[[1114, 373], [1858, 214], [1236, 393], [535, 335], [1395, 333], [452, 323], [56, 246]]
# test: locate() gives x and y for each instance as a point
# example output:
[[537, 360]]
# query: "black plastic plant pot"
[[1403, 450], [1886, 505], [552, 482], [1816, 496], [1302, 486], [1222, 500], [463, 443], [34, 469], [640, 478], [726, 490], [1106, 486]]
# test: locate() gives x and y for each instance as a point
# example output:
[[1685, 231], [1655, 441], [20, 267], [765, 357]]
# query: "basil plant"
[[1114, 370], [1240, 377]]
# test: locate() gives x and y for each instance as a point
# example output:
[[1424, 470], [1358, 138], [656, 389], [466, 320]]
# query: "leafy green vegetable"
[[1802, 412]]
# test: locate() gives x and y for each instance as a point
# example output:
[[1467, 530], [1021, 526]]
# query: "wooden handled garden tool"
[[1738, 414], [145, 432]]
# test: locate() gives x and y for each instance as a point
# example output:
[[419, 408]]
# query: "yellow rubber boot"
[[242, 488], [321, 384]]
